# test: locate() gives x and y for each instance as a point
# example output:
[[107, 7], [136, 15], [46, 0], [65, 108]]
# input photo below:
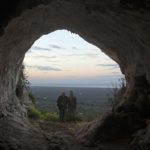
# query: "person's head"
[[63, 94], [71, 93]]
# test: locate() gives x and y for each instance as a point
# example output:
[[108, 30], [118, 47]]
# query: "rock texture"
[[121, 28]]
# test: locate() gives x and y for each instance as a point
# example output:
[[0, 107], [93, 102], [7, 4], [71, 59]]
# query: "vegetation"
[[90, 105], [91, 102], [32, 98], [32, 110], [22, 82], [35, 113], [117, 94], [69, 118]]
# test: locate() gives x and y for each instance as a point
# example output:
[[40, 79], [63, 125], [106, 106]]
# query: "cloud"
[[44, 68], [37, 48], [44, 57], [114, 66], [56, 46], [80, 55], [115, 72], [75, 48], [91, 55]]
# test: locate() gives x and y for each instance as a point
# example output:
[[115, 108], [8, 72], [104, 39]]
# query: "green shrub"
[[69, 118], [33, 112], [50, 116], [32, 98]]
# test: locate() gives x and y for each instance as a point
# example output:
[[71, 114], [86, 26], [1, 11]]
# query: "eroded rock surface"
[[121, 28]]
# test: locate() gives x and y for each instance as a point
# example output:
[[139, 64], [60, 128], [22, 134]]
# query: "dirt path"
[[62, 137]]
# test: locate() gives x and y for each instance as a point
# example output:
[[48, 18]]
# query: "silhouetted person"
[[72, 105], [62, 105]]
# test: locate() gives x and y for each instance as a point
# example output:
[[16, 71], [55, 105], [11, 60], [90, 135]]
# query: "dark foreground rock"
[[141, 139], [16, 135], [21, 135], [110, 127]]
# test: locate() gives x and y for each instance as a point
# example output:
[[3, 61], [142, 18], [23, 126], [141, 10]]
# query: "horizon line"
[[72, 86]]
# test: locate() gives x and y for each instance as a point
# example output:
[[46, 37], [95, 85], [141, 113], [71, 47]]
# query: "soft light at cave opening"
[[62, 58]]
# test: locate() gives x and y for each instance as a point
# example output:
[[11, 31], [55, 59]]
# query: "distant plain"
[[91, 102]]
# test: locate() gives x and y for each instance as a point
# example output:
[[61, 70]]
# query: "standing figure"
[[62, 105], [72, 105]]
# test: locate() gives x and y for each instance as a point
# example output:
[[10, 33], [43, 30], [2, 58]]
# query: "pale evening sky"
[[62, 58]]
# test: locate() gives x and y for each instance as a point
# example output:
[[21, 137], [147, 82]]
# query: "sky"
[[62, 58]]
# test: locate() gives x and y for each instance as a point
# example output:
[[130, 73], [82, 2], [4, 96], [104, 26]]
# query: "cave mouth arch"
[[78, 63], [120, 30]]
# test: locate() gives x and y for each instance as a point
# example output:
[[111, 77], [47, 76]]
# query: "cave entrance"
[[63, 61], [119, 29]]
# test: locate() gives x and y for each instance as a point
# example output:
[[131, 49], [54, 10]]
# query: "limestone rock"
[[109, 127], [141, 140], [121, 28]]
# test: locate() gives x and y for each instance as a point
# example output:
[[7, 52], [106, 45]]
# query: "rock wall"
[[121, 28]]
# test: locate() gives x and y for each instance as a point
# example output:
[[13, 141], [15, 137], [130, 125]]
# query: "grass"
[[35, 113], [68, 118], [50, 116]]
